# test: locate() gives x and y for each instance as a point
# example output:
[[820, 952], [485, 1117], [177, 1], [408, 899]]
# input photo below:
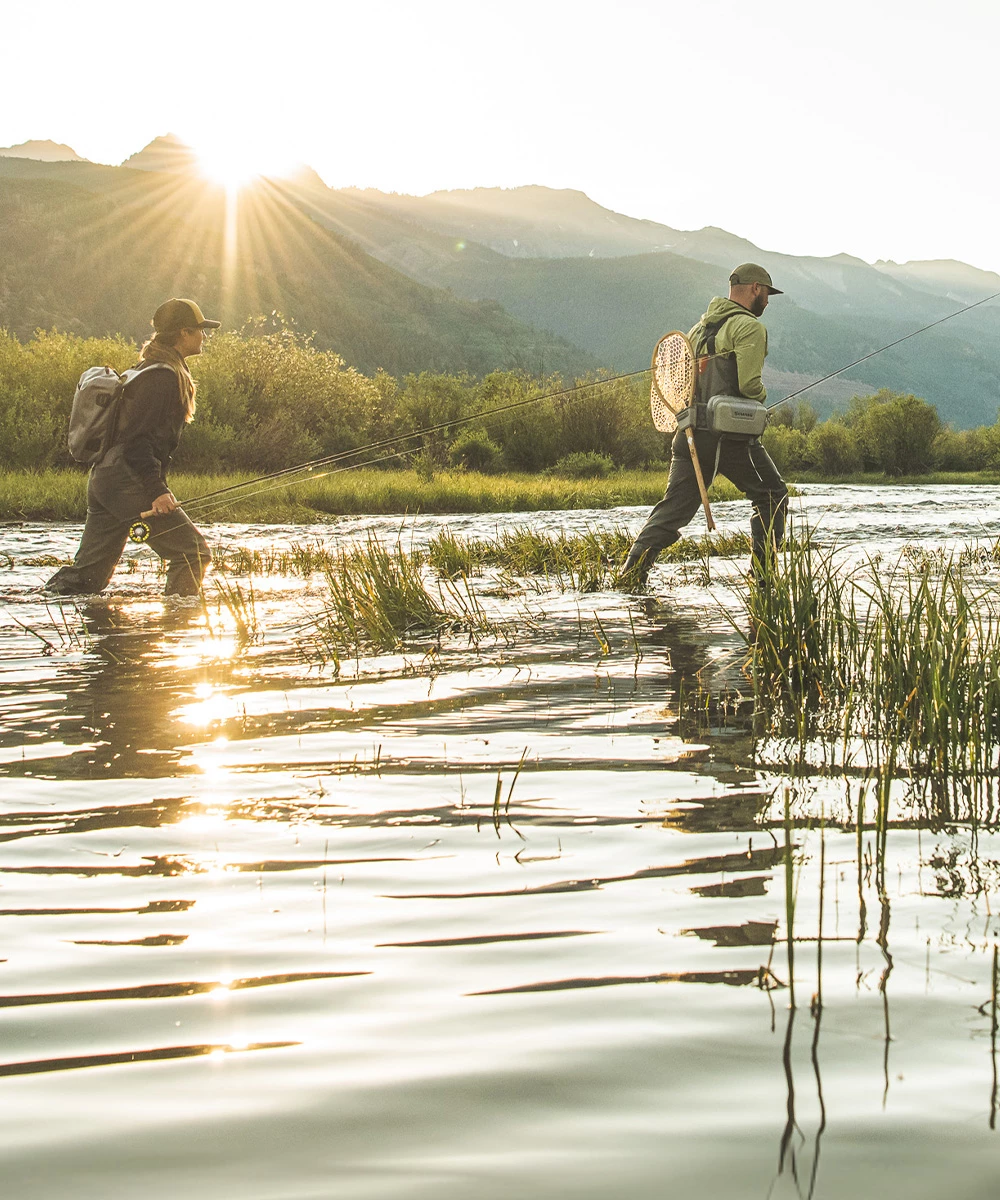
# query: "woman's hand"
[[163, 504]]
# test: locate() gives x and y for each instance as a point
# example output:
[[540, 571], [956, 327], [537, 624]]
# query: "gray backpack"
[[93, 420]]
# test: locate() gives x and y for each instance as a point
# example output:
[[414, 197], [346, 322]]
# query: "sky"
[[862, 127]]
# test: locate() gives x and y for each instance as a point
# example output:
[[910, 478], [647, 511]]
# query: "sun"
[[235, 165]]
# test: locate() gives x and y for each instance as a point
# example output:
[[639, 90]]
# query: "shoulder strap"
[[135, 372], [127, 377], [712, 330]]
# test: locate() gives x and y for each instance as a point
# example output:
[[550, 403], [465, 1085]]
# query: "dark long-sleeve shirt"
[[150, 427]]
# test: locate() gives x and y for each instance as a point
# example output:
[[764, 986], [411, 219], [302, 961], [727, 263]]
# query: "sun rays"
[[142, 235]]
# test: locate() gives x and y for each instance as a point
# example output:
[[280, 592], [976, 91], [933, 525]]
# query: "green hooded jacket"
[[743, 336]]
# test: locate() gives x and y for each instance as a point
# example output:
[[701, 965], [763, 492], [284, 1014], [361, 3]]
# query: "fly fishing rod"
[[140, 531]]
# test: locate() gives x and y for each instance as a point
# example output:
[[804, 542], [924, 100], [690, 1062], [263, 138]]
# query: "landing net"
[[674, 375]]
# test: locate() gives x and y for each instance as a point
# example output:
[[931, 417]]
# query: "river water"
[[486, 919]]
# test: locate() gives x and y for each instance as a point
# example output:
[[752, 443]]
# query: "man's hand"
[[163, 504]]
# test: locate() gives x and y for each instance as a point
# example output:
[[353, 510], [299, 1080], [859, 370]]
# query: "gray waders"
[[747, 464], [115, 498]]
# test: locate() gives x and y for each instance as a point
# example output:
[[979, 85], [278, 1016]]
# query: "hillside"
[[540, 222], [527, 222], [956, 280], [555, 281], [165, 153], [100, 259]]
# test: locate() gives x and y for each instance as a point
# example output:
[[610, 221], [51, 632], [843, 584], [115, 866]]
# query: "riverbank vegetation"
[[882, 435], [269, 399], [61, 494], [886, 667]]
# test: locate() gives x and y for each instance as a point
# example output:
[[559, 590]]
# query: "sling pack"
[[719, 407], [93, 419]]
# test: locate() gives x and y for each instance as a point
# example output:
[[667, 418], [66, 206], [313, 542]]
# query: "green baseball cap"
[[174, 315], [752, 273]]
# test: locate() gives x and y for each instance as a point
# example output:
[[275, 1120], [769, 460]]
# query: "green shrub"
[[833, 450], [37, 382], [894, 433], [475, 450], [584, 464], [788, 447]]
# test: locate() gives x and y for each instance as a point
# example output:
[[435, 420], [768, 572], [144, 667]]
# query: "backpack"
[[93, 419]]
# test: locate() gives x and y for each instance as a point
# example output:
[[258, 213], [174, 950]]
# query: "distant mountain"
[[528, 222], [164, 153], [42, 152], [540, 222], [300, 176], [534, 277], [956, 280], [170, 155]]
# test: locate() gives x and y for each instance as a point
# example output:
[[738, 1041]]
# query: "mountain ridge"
[[42, 151], [602, 301]]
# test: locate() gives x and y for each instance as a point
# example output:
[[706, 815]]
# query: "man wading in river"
[[735, 342]]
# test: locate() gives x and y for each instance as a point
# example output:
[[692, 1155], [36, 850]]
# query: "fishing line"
[[428, 430], [871, 354], [140, 531], [324, 475]]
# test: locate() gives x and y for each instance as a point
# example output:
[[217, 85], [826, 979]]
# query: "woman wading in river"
[[130, 480]]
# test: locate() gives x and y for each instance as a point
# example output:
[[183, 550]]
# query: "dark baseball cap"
[[174, 315], [752, 273]]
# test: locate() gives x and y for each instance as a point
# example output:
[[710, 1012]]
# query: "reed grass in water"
[[379, 599], [584, 562], [906, 659]]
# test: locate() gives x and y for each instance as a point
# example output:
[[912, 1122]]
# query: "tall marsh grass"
[[379, 599], [904, 661], [585, 562]]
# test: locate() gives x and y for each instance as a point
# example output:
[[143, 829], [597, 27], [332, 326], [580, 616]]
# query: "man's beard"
[[758, 304]]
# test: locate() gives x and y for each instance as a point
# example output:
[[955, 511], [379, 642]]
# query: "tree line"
[[268, 398], [888, 433]]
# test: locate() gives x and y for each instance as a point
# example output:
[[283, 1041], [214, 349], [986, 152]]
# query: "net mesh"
[[674, 374]]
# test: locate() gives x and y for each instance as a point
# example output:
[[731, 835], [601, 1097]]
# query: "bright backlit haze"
[[234, 163], [861, 127]]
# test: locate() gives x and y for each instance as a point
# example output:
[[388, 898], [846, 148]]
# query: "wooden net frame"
[[675, 373]]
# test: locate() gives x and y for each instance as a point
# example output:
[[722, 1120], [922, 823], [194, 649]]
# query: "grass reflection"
[[159, 1054]]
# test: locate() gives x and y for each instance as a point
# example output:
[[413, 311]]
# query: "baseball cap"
[[175, 315], [752, 273]]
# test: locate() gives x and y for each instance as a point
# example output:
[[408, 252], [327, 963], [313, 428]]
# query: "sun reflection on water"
[[211, 709]]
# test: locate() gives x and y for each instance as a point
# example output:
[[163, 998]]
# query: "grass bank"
[[60, 495], [953, 478]]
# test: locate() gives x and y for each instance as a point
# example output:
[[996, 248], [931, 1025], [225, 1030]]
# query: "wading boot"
[[635, 570]]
